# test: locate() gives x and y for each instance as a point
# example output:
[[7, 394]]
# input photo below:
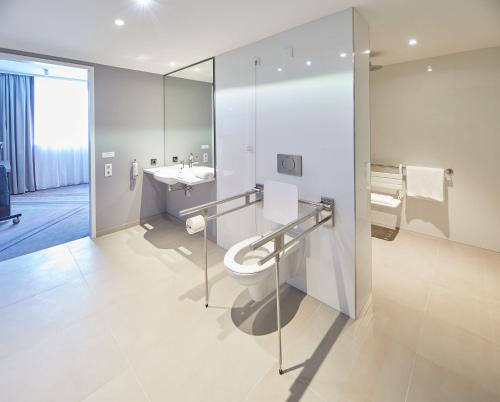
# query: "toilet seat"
[[241, 260]]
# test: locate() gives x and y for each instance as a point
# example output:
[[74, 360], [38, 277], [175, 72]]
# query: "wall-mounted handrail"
[[281, 231], [277, 236], [199, 208], [278, 239], [294, 240], [447, 171]]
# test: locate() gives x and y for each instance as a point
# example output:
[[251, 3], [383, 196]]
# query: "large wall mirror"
[[189, 115]]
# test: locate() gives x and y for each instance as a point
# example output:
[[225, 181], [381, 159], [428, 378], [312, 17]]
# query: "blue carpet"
[[50, 217]]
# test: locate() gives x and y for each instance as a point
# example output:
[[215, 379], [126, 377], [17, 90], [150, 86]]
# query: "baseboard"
[[128, 225]]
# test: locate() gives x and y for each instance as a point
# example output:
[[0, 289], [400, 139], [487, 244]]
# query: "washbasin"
[[190, 176]]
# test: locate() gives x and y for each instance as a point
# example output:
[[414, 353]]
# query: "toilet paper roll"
[[195, 224]]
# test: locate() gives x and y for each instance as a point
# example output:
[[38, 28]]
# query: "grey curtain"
[[16, 130]]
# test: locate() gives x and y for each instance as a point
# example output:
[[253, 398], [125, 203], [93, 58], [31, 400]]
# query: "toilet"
[[241, 263]]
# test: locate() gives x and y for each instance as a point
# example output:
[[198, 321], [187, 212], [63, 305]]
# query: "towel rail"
[[447, 171]]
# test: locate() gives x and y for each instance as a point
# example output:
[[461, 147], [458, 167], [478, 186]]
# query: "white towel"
[[424, 182], [382, 199]]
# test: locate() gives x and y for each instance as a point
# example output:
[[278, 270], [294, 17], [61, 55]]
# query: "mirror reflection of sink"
[[177, 174]]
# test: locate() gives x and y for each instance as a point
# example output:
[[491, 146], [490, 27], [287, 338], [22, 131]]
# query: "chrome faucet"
[[191, 158]]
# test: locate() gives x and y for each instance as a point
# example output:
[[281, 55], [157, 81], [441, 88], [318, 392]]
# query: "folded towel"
[[205, 175], [382, 199], [424, 182]]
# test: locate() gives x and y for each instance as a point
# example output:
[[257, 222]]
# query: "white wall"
[[304, 110], [449, 117]]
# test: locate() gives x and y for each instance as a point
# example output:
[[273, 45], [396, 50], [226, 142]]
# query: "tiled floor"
[[122, 319]]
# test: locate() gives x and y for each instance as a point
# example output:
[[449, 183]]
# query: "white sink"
[[177, 174]]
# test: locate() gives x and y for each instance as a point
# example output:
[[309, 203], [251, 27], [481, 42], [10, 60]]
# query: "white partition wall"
[[293, 93]]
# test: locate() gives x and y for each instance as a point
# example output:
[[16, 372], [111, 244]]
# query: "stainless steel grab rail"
[[202, 207], [278, 237], [447, 171]]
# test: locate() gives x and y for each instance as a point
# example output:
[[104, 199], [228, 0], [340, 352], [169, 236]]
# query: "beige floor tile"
[[123, 388], [461, 310], [494, 316], [144, 320], [393, 284], [67, 366], [348, 361], [128, 322], [396, 321], [32, 320], [492, 279], [200, 367], [410, 253], [29, 275], [461, 352], [274, 387], [432, 383], [460, 268]]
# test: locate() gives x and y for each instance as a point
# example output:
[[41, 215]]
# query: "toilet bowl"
[[241, 263]]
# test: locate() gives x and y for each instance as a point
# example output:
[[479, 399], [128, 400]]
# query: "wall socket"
[[108, 170], [205, 157]]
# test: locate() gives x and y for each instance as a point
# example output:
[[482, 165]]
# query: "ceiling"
[[169, 34]]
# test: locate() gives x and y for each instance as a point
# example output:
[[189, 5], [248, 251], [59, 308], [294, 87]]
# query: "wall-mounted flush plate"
[[290, 164], [153, 162]]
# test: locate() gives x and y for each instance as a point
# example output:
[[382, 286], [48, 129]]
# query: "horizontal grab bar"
[[281, 231], [211, 204], [448, 171], [293, 241]]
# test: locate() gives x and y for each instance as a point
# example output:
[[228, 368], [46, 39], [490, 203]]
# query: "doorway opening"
[[45, 154]]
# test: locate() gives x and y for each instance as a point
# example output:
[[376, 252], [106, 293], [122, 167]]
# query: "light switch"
[[108, 155], [108, 170]]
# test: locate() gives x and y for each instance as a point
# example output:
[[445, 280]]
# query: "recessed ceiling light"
[[412, 42], [119, 22], [144, 3], [343, 55], [171, 64], [197, 69], [279, 69], [429, 69], [308, 62], [367, 51]]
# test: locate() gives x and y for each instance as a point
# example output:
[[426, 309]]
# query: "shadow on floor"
[[259, 318], [311, 366]]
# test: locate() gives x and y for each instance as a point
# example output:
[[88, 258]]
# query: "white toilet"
[[241, 262]]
